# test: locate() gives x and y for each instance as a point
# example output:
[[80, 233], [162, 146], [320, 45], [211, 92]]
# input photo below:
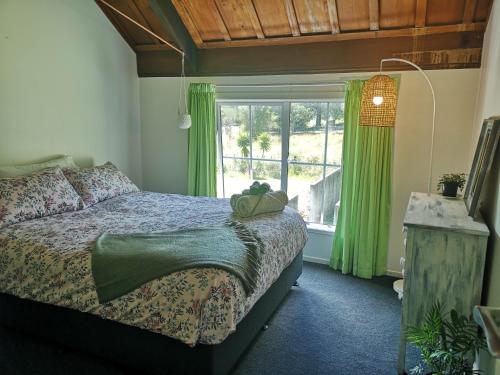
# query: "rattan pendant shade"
[[378, 102]]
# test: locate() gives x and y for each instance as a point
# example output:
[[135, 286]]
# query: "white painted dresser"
[[445, 251]]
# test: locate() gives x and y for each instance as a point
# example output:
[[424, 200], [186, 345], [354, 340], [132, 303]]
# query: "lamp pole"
[[433, 111]]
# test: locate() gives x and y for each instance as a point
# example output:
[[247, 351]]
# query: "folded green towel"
[[251, 205]]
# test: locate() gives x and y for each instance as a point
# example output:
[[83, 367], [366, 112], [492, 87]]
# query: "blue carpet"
[[330, 324]]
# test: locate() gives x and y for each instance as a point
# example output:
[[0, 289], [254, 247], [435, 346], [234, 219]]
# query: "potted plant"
[[448, 346], [450, 183]]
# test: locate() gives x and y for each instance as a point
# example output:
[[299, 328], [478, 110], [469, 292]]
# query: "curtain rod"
[[143, 27], [342, 83]]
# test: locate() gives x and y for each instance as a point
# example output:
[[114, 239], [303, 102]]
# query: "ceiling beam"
[[292, 18], [333, 16], [176, 31], [254, 19], [330, 57], [392, 33], [374, 14], [452, 57], [469, 11], [421, 13]]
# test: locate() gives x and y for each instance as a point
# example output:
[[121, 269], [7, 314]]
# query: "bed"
[[192, 321]]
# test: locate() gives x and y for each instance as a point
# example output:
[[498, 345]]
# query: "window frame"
[[286, 105]]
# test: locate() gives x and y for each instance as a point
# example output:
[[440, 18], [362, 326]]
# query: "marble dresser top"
[[435, 211]]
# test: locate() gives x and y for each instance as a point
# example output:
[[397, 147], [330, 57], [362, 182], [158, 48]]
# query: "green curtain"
[[362, 233], [202, 144]]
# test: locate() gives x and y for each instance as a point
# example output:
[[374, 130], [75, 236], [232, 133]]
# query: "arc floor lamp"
[[378, 108]]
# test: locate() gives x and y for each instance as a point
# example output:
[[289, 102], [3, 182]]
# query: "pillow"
[[22, 170], [99, 183], [40, 194]]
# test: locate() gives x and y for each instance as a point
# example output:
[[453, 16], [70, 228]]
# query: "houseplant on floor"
[[450, 183], [448, 346]]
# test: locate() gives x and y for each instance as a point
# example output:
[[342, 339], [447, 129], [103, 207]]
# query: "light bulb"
[[185, 121], [378, 100]]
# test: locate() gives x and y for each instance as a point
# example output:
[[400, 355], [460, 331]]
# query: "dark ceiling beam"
[[328, 57], [175, 29]]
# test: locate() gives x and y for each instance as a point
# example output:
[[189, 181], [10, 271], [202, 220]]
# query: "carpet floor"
[[329, 324]]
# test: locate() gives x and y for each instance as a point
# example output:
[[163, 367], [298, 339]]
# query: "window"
[[295, 146]]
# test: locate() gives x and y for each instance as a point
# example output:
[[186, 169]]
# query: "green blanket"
[[124, 262]]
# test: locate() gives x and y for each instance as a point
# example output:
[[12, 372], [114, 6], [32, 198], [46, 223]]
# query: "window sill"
[[321, 229]]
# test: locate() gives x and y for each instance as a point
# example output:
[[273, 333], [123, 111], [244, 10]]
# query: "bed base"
[[139, 349]]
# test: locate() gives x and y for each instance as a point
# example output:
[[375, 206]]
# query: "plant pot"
[[450, 189]]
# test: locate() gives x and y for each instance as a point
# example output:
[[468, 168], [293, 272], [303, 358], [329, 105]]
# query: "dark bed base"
[[140, 349]]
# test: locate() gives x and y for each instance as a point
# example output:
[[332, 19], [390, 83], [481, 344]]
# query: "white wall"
[[488, 104], [165, 146], [68, 85]]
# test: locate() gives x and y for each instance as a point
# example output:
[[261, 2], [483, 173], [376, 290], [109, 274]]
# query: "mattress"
[[49, 260]]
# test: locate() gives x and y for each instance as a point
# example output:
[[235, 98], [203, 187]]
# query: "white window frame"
[[285, 138]]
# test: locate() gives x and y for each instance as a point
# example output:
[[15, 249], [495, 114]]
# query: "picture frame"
[[483, 157]]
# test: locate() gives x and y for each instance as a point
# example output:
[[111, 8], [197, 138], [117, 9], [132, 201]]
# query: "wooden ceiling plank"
[[139, 17], [445, 12], [333, 16], [469, 11], [187, 21], [397, 14], [312, 16], [354, 15], [272, 17], [220, 22], [292, 18], [254, 18], [421, 13], [320, 38], [374, 14]]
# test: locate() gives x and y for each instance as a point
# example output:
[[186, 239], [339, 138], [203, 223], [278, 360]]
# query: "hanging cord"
[[183, 89]]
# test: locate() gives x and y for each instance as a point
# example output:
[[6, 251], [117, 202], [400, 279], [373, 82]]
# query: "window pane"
[[307, 132], [335, 133], [238, 175], [332, 185], [235, 121], [305, 190], [266, 131], [267, 171]]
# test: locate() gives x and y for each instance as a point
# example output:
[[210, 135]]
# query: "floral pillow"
[[40, 194], [99, 183]]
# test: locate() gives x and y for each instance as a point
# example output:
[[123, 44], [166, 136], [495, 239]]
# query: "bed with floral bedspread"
[[49, 260]]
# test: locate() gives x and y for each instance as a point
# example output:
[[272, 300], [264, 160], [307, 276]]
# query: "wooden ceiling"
[[228, 36]]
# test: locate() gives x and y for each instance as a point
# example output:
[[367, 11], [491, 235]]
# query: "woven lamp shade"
[[384, 114]]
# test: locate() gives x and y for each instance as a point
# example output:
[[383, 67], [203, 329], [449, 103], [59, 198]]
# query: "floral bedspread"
[[49, 260]]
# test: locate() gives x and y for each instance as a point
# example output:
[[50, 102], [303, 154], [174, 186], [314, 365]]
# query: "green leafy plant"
[[453, 178], [448, 346], [264, 142], [243, 142]]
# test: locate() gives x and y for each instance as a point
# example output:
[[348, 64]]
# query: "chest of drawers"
[[445, 252]]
